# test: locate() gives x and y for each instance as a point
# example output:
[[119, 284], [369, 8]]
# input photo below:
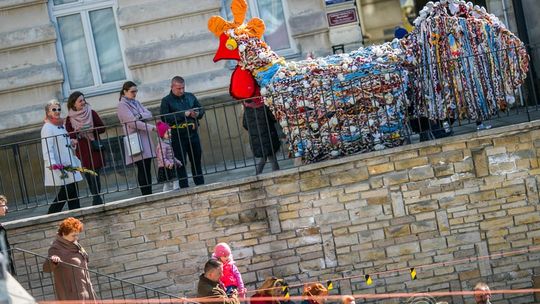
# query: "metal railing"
[[226, 146], [364, 281], [42, 285]]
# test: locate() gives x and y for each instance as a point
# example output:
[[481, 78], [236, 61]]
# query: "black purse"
[[96, 145]]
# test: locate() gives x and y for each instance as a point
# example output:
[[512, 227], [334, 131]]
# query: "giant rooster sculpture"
[[459, 62]]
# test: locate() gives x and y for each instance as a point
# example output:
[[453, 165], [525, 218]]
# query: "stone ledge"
[[129, 202], [133, 16], [163, 51], [13, 4], [27, 37]]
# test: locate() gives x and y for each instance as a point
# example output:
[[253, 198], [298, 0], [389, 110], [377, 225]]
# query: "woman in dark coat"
[[84, 125], [263, 137], [70, 283]]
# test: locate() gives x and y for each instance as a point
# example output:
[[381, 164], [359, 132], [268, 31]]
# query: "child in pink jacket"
[[167, 163], [231, 277]]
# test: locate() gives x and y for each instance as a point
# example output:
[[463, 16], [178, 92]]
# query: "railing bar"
[[40, 277], [240, 134], [31, 176], [211, 145], [96, 273], [230, 136], [220, 142], [13, 189]]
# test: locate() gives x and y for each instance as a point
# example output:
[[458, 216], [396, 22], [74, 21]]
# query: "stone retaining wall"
[[445, 200]]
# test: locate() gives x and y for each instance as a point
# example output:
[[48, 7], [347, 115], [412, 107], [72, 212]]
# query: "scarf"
[[59, 122], [82, 119], [71, 246], [134, 106]]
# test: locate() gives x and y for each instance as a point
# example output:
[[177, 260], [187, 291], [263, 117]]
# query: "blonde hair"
[[3, 198], [50, 103]]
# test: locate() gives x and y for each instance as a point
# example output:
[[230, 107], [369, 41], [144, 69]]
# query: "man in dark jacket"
[[210, 287], [182, 111]]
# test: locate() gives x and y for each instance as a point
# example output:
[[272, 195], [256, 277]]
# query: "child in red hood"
[[231, 277]]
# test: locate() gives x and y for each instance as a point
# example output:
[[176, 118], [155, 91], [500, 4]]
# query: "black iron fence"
[[227, 148], [43, 285], [404, 285]]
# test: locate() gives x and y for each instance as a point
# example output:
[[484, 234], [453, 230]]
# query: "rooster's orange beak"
[[227, 49]]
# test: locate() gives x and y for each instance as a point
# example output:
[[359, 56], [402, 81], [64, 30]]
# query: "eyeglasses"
[[56, 110]]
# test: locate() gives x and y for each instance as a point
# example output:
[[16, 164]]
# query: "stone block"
[[410, 163], [423, 226], [433, 244], [398, 206], [482, 196], [446, 157], [396, 178], [374, 193], [372, 255], [377, 200], [521, 210], [252, 195], [411, 154], [357, 187], [293, 224], [423, 206], [304, 240], [421, 173], [454, 146], [529, 218], [466, 165], [381, 168], [510, 191], [429, 150], [350, 176], [314, 183], [442, 170], [397, 231], [282, 189], [402, 249], [463, 239], [425, 216]]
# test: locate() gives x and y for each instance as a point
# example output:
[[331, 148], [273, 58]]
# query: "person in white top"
[[58, 152]]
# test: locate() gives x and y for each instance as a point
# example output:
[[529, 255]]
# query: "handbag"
[[96, 145], [132, 144]]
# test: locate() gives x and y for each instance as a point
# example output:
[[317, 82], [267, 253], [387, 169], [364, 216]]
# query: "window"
[[273, 13], [88, 44]]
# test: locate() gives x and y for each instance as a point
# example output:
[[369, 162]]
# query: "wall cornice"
[[140, 15], [14, 4], [26, 38]]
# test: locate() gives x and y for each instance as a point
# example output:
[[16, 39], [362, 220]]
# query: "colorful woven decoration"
[[459, 61]]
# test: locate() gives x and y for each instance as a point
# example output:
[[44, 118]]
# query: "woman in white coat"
[[57, 152]]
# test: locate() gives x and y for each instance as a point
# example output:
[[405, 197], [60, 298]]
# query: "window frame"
[[83, 8], [254, 12]]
